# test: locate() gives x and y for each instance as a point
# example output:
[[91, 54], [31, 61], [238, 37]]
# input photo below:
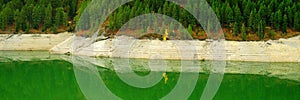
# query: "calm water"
[[55, 79]]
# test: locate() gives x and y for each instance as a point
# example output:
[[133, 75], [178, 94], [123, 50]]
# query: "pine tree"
[[278, 18], [247, 10], [237, 14], [48, 17], [27, 30], [82, 7], [28, 8], [60, 17], [165, 8], [284, 24], [8, 15], [251, 21], [23, 19], [244, 32], [236, 29], [159, 11], [272, 20], [190, 29], [175, 12], [36, 14], [18, 20], [229, 14], [262, 12], [54, 29], [290, 17], [2, 21], [271, 34], [73, 6], [261, 29], [238, 19], [297, 21]]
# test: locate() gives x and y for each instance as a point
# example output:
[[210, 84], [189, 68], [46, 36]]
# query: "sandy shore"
[[282, 50], [31, 41]]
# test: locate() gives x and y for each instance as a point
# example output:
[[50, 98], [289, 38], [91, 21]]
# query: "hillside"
[[240, 19]]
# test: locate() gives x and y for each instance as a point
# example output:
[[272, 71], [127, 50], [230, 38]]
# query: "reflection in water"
[[59, 79]]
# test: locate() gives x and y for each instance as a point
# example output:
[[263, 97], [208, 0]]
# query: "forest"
[[37, 16], [240, 19]]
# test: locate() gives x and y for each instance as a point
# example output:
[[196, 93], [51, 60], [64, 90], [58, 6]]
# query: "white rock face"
[[283, 50]]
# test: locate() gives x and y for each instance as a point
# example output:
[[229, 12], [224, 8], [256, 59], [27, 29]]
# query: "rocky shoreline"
[[274, 58], [282, 50]]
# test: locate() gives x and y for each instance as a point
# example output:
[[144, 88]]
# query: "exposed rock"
[[283, 50]]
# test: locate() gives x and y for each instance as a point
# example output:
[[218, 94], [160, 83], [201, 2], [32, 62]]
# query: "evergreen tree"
[[190, 29], [238, 19], [28, 8], [261, 29], [2, 21], [284, 24], [18, 20], [8, 14], [271, 34], [236, 29], [247, 10], [27, 30], [23, 19], [273, 20], [279, 20], [251, 22], [36, 14], [48, 17], [244, 32], [257, 20], [54, 29], [165, 8], [159, 11], [73, 6], [229, 14], [60, 17], [175, 12], [297, 21], [82, 7], [262, 12], [7, 17], [290, 17]]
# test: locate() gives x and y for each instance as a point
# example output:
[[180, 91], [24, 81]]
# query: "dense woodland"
[[240, 19], [37, 15]]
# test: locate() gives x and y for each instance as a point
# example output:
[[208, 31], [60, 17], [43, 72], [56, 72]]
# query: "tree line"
[[262, 18], [44, 15], [239, 16]]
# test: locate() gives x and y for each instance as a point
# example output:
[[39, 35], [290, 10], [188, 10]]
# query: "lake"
[[55, 77]]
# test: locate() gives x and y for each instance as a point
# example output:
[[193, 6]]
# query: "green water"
[[55, 79]]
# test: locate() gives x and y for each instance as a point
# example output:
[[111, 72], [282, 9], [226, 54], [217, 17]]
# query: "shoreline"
[[282, 50]]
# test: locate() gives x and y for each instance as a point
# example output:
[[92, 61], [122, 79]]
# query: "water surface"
[[56, 79]]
